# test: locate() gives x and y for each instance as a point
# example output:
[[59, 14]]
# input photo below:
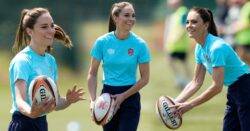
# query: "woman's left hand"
[[74, 95], [119, 98], [182, 108]]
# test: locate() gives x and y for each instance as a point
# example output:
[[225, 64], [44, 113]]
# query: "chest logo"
[[130, 51], [111, 51]]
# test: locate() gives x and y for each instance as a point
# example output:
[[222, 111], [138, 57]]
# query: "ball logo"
[[130, 51], [168, 114], [42, 92], [103, 105]]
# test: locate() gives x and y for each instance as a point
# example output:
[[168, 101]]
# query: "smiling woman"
[[214, 55], [36, 33], [121, 52]]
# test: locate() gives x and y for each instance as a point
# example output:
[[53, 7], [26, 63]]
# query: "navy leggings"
[[237, 114], [128, 115], [21, 122]]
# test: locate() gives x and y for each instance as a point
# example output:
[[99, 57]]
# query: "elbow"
[[218, 89], [145, 81], [198, 84]]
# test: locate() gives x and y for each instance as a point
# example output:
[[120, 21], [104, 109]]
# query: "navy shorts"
[[21, 122], [128, 115], [237, 113]]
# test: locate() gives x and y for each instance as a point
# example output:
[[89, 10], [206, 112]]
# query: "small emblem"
[[130, 51], [111, 51]]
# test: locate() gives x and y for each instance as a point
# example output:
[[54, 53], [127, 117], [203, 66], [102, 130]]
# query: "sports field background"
[[207, 117]]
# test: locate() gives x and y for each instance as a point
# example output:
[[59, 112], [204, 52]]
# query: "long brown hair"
[[28, 20], [116, 10]]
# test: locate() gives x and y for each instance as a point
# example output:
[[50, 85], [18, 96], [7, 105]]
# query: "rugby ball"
[[165, 113], [42, 88], [103, 110]]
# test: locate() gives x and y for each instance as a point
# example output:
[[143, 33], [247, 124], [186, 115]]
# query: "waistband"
[[115, 89], [238, 81], [18, 114]]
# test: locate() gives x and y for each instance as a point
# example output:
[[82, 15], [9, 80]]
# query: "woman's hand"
[[182, 108], [91, 107], [119, 98], [42, 108], [74, 95]]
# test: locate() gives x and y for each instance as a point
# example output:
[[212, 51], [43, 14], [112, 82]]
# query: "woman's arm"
[[31, 111], [193, 86], [92, 78], [214, 89], [72, 96]]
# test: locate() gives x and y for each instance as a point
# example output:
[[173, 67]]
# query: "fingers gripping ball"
[[103, 110], [42, 88], [166, 114]]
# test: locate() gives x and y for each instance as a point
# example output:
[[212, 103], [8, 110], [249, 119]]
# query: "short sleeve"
[[20, 69], [218, 57], [97, 50], [197, 54], [144, 54]]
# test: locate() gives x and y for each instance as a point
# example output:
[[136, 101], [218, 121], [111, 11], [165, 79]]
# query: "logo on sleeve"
[[207, 58], [130, 51]]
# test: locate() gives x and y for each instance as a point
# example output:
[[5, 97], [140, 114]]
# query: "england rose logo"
[[130, 51]]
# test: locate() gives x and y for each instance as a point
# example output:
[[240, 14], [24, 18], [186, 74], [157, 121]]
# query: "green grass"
[[206, 117]]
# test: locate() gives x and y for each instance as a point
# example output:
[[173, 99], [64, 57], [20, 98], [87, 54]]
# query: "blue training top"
[[217, 53], [120, 57], [27, 65]]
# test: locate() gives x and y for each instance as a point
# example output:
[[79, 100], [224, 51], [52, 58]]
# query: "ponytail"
[[62, 37], [212, 27], [21, 36], [112, 26]]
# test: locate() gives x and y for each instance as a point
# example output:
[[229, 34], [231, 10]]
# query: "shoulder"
[[50, 57], [218, 44], [105, 37], [137, 39], [197, 48], [21, 58]]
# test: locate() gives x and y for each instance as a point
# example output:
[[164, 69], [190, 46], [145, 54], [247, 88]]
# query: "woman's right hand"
[[37, 109], [91, 107]]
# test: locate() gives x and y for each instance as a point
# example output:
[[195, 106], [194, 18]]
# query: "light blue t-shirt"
[[27, 65], [217, 53], [120, 57]]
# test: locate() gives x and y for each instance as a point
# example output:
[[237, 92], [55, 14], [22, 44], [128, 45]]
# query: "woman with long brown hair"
[[121, 52], [34, 39]]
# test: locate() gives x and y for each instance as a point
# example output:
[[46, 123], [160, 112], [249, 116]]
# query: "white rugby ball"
[[165, 113], [103, 110], [42, 88]]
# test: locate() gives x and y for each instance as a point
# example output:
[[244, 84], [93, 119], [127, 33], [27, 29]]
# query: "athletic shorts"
[[237, 113], [21, 122], [128, 115]]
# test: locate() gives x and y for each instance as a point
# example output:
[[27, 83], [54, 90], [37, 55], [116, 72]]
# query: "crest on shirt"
[[130, 51], [111, 51]]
